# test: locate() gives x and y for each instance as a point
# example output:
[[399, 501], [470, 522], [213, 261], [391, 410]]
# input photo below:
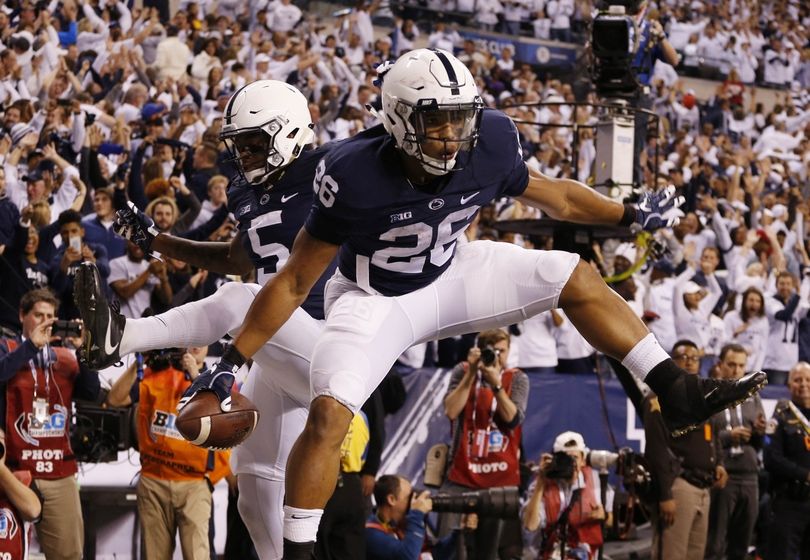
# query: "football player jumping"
[[267, 125], [391, 204]]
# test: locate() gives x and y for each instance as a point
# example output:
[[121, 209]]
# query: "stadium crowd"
[[102, 102]]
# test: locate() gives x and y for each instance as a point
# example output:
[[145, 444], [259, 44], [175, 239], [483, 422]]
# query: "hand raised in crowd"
[[179, 186], [87, 254], [198, 278], [72, 255], [158, 269], [41, 334], [422, 502]]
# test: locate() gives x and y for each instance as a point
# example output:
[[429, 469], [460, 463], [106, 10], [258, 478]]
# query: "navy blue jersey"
[[396, 239], [270, 218]]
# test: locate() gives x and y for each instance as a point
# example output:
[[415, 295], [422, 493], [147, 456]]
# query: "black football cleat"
[[103, 326], [691, 400]]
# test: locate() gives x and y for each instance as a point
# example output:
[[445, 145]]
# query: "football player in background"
[[267, 125]]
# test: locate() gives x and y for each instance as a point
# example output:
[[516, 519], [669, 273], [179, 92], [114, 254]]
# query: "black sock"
[[298, 550], [662, 376]]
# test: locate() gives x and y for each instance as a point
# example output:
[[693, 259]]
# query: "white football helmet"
[[266, 125], [423, 91]]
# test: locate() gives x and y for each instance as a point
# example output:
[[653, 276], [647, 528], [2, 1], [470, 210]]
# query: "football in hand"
[[203, 423]]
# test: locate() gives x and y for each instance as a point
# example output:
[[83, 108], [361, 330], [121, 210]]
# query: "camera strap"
[[44, 358]]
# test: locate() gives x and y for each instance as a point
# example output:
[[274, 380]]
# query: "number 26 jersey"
[[394, 238]]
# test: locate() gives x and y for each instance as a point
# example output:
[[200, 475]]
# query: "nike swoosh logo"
[[465, 199], [294, 516], [287, 197], [108, 347], [254, 112]]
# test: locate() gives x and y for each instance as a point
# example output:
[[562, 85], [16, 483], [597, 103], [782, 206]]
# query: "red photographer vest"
[[165, 454], [42, 448], [13, 534], [499, 466], [581, 528]]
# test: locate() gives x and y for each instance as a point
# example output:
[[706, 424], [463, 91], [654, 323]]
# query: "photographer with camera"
[[39, 382], [19, 504], [396, 530], [177, 478], [565, 509], [486, 403]]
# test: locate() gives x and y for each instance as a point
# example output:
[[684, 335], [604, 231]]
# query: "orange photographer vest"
[[165, 454], [581, 528], [41, 447], [13, 534], [499, 466]]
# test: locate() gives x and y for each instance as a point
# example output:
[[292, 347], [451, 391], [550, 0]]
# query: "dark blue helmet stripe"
[[230, 104], [451, 74]]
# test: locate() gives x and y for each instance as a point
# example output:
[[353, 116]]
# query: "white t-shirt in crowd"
[[123, 268]]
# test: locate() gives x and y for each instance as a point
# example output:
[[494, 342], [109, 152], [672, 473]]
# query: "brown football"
[[203, 423]]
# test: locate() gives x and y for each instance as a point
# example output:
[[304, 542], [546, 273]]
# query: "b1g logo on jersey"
[[29, 428], [163, 425], [401, 217], [8, 524]]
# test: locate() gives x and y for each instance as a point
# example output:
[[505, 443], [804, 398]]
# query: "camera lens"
[[488, 355]]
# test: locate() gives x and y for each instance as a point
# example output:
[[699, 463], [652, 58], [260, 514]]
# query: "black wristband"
[[496, 390], [233, 356], [629, 216]]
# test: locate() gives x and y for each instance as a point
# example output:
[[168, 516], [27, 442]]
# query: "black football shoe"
[[691, 399], [103, 326]]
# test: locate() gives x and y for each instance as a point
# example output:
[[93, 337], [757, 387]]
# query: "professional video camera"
[[629, 465], [501, 502], [614, 42], [98, 433]]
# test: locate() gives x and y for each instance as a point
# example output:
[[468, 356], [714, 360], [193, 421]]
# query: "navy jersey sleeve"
[[518, 178], [330, 218]]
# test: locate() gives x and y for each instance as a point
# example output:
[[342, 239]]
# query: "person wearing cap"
[[693, 305], [570, 506], [683, 470], [486, 403]]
